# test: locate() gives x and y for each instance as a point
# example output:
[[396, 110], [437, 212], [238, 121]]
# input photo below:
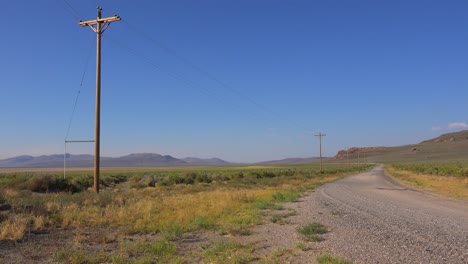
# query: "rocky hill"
[[447, 147]]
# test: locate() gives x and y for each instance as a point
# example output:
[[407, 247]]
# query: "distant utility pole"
[[320, 135], [358, 161], [347, 155], [98, 25]]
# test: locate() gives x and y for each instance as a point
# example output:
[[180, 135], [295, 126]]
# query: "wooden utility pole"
[[98, 25], [347, 155], [358, 161], [320, 135]]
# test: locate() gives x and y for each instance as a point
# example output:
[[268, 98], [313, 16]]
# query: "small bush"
[[268, 174], [176, 179], [290, 196], [80, 183], [190, 177], [139, 182], [203, 178], [47, 183]]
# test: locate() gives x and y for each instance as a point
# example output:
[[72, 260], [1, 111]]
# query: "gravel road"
[[373, 219]]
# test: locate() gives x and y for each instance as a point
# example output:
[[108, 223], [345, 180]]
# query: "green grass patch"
[[202, 222], [173, 231], [80, 256], [268, 205], [312, 232], [442, 169], [301, 246], [160, 251], [162, 248], [329, 259], [289, 196], [280, 218], [228, 252]]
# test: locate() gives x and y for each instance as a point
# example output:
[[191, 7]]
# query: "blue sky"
[[238, 80]]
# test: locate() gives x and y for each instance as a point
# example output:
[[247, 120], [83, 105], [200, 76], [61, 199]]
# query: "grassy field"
[[449, 179], [141, 214]]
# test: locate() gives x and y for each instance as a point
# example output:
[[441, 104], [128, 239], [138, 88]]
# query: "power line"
[[71, 10], [154, 65], [189, 83], [212, 77], [198, 69], [79, 91]]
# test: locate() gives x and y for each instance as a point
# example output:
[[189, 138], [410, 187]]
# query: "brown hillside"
[[449, 137], [447, 147], [369, 151]]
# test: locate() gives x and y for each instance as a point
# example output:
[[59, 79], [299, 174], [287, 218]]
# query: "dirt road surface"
[[373, 219]]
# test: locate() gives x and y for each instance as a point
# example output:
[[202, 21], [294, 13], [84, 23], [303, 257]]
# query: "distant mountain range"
[[447, 147], [139, 159], [132, 160]]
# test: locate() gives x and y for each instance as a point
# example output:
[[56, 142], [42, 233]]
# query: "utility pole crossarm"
[[100, 20], [79, 141], [101, 23]]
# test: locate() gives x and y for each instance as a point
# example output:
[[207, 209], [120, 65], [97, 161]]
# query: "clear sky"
[[239, 80]]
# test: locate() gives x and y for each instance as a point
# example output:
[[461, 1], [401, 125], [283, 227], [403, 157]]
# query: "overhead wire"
[[79, 90], [148, 60], [71, 10], [174, 75], [190, 83], [75, 14], [212, 77]]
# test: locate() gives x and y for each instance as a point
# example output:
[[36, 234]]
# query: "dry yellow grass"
[[155, 210], [40, 222], [10, 193], [456, 187], [13, 228], [178, 209]]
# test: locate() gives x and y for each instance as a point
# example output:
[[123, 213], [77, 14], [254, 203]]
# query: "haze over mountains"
[[132, 160], [138, 159], [451, 146]]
